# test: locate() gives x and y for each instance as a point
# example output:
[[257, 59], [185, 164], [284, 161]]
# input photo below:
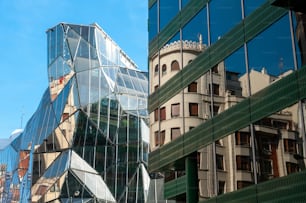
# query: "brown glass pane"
[[163, 113], [243, 163], [219, 162], [156, 70], [175, 133], [175, 66], [164, 69], [242, 138], [175, 110], [156, 115], [193, 109], [193, 87], [162, 137]]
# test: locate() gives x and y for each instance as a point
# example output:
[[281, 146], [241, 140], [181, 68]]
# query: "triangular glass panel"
[[74, 189], [83, 87], [59, 75], [95, 185], [49, 191], [76, 28], [145, 181], [61, 100], [73, 43], [51, 175]]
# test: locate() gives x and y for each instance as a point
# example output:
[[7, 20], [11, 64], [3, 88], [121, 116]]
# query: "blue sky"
[[23, 47]]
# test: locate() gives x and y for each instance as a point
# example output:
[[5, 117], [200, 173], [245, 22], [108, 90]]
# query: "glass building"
[[88, 141], [227, 99]]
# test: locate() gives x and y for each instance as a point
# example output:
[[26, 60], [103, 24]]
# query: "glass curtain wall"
[[234, 60]]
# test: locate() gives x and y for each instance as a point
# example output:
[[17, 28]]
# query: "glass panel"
[[196, 29], [250, 6], [299, 21], [226, 13], [280, 144], [167, 10], [270, 55], [153, 22]]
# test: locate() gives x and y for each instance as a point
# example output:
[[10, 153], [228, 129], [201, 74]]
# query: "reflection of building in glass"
[[219, 121], [88, 141]]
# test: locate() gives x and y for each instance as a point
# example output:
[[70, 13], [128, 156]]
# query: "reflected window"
[[266, 167], [175, 66], [292, 167], [193, 109], [65, 116], [280, 124], [242, 138], [193, 87], [242, 184], [290, 146], [156, 115], [215, 89], [215, 69], [175, 133], [219, 162], [221, 187], [163, 113], [215, 109], [164, 69], [175, 110], [243, 163], [156, 70], [159, 138], [155, 87]]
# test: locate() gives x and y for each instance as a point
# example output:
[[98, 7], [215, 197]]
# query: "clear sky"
[[23, 45]]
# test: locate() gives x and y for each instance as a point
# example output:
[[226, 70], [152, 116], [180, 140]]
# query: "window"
[[163, 113], [221, 187], [292, 167], [215, 69], [193, 87], [242, 184], [280, 124], [290, 146], [65, 116], [219, 160], [215, 109], [175, 133], [193, 109], [266, 167], [159, 138], [155, 87], [243, 163], [156, 70], [175, 66], [215, 89], [156, 115], [175, 110], [242, 138], [164, 69]]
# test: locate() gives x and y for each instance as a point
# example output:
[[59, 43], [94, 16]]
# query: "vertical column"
[[192, 183]]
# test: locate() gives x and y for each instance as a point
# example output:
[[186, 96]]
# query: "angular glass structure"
[[88, 141]]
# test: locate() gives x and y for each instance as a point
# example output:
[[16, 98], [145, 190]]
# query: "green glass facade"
[[242, 130]]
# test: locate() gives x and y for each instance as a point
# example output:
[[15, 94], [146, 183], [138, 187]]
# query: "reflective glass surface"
[[89, 135]]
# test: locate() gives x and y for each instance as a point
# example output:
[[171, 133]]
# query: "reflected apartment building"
[[88, 141], [226, 103]]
